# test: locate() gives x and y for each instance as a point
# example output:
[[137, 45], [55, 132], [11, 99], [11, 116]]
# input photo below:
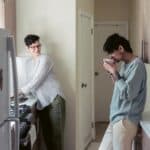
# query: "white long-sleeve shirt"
[[42, 81]]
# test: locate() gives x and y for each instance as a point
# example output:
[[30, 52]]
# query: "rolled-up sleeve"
[[130, 86]]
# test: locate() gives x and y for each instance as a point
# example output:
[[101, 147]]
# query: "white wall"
[[114, 10], [86, 5], [136, 25], [54, 21]]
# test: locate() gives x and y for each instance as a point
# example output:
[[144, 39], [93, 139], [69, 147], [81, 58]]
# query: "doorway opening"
[[103, 84]]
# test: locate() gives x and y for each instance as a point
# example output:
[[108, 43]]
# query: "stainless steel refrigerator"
[[9, 123]]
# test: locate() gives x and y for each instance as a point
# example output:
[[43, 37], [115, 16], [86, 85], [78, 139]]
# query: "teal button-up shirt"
[[129, 93]]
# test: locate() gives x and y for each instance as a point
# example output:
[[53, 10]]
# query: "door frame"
[[84, 13], [114, 23], [111, 23]]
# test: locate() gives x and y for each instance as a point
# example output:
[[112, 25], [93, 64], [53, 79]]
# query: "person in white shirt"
[[51, 104]]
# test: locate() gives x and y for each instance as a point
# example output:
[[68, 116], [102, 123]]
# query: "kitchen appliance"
[[25, 118], [7, 61]]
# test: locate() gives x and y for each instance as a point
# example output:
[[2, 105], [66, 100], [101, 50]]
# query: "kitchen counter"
[[145, 123], [31, 136], [29, 102]]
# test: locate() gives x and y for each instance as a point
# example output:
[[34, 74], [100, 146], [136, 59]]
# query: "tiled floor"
[[100, 129]]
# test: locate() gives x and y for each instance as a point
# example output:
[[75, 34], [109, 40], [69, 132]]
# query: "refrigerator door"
[[9, 125], [4, 92], [15, 118], [5, 142]]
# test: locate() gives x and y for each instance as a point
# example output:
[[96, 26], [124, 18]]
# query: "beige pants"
[[119, 136]]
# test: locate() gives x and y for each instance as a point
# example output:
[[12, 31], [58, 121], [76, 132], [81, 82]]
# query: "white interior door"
[[103, 84], [85, 79]]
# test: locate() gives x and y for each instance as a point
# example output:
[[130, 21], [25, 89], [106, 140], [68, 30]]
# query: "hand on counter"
[[22, 97]]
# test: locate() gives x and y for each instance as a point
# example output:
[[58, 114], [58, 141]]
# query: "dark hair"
[[114, 41], [30, 39]]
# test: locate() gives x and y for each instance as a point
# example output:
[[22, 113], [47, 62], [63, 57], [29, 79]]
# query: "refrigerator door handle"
[[16, 120], [11, 50], [3, 123], [9, 119]]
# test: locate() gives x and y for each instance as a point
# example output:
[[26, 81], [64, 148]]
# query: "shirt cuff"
[[25, 90]]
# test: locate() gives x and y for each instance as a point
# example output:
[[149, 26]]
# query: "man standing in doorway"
[[128, 96]]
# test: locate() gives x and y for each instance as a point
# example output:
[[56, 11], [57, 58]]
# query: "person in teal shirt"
[[129, 93]]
